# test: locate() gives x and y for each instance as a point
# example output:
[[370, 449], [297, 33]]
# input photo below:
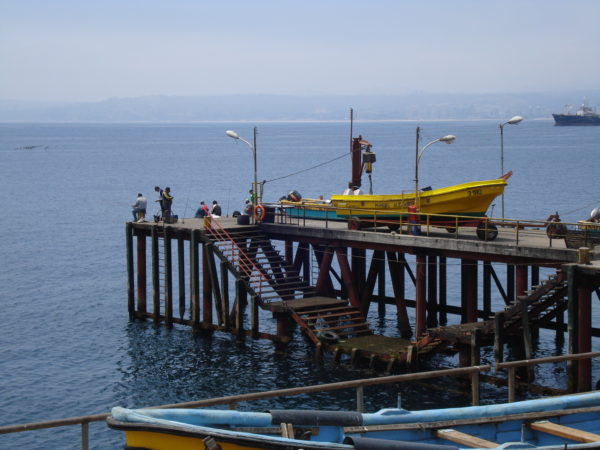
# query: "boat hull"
[[512, 425], [469, 200], [576, 120]]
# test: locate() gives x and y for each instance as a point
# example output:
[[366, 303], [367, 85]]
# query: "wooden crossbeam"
[[565, 432], [464, 439]]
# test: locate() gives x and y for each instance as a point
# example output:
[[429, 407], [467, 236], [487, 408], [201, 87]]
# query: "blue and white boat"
[[563, 422]]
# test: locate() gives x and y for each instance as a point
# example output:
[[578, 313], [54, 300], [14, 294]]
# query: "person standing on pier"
[[216, 209], [167, 201], [159, 200], [139, 208]]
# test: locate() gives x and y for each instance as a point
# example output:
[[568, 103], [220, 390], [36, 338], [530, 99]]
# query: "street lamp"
[[234, 135], [419, 152], [515, 120]]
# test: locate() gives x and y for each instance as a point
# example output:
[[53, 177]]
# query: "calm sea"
[[67, 346]]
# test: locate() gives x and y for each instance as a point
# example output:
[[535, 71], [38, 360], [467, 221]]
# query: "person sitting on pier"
[[216, 209], [247, 208], [139, 208], [202, 211], [167, 201]]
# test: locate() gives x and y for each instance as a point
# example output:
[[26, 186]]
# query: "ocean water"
[[67, 346]]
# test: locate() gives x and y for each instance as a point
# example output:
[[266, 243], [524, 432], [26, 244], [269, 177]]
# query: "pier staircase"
[[327, 320], [537, 308], [251, 257]]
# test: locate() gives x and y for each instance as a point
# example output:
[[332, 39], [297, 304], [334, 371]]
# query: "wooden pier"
[[323, 278]]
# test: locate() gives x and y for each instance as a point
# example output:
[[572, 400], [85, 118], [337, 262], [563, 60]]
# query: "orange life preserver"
[[260, 212]]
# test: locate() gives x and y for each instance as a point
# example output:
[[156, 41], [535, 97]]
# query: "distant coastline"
[[289, 108]]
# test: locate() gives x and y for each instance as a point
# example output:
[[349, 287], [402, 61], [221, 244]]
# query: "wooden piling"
[[396, 269], [141, 272], [181, 275], [254, 316], [521, 279], [130, 282], [379, 257], [225, 295], [487, 290], [498, 338], [195, 280], [155, 276], [510, 282], [240, 301], [168, 276], [442, 296], [214, 282], [572, 317], [206, 287], [432, 307], [527, 341], [469, 289], [420, 295], [584, 337]]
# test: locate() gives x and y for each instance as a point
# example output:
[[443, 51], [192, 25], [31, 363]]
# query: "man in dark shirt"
[[216, 209]]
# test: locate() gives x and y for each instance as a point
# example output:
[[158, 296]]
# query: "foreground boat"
[[570, 421]]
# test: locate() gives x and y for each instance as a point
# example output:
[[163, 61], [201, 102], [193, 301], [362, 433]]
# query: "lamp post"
[[513, 121], [234, 135], [419, 152]]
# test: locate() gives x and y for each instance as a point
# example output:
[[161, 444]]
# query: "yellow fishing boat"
[[463, 204], [469, 200]]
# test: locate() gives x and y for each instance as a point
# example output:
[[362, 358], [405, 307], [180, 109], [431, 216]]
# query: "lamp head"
[[232, 134], [515, 120], [448, 139]]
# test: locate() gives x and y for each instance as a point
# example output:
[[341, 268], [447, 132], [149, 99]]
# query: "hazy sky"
[[84, 50]]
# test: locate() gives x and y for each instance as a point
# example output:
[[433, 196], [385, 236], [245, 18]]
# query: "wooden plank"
[[565, 432], [464, 439]]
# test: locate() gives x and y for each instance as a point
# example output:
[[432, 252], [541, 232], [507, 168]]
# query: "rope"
[[309, 168], [580, 208]]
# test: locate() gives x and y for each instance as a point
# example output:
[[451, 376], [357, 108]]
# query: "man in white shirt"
[[139, 208]]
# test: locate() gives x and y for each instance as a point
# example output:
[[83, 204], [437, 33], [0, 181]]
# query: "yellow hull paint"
[[469, 199], [165, 441]]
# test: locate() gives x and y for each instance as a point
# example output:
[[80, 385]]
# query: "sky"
[[84, 50]]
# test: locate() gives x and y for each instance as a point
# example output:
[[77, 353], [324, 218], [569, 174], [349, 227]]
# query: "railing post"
[[85, 435], [511, 384], [475, 388], [360, 400]]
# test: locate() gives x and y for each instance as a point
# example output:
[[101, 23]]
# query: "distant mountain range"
[[417, 106]]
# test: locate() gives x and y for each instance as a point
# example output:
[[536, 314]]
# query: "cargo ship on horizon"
[[584, 116]]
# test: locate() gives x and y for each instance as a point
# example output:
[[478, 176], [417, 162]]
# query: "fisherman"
[[202, 211], [167, 201], [216, 209], [159, 192], [139, 208], [205, 208]]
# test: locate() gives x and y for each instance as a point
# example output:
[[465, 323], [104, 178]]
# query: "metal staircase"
[[252, 257], [539, 306], [328, 323]]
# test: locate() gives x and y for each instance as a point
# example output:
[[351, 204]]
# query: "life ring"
[[260, 212], [328, 336]]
